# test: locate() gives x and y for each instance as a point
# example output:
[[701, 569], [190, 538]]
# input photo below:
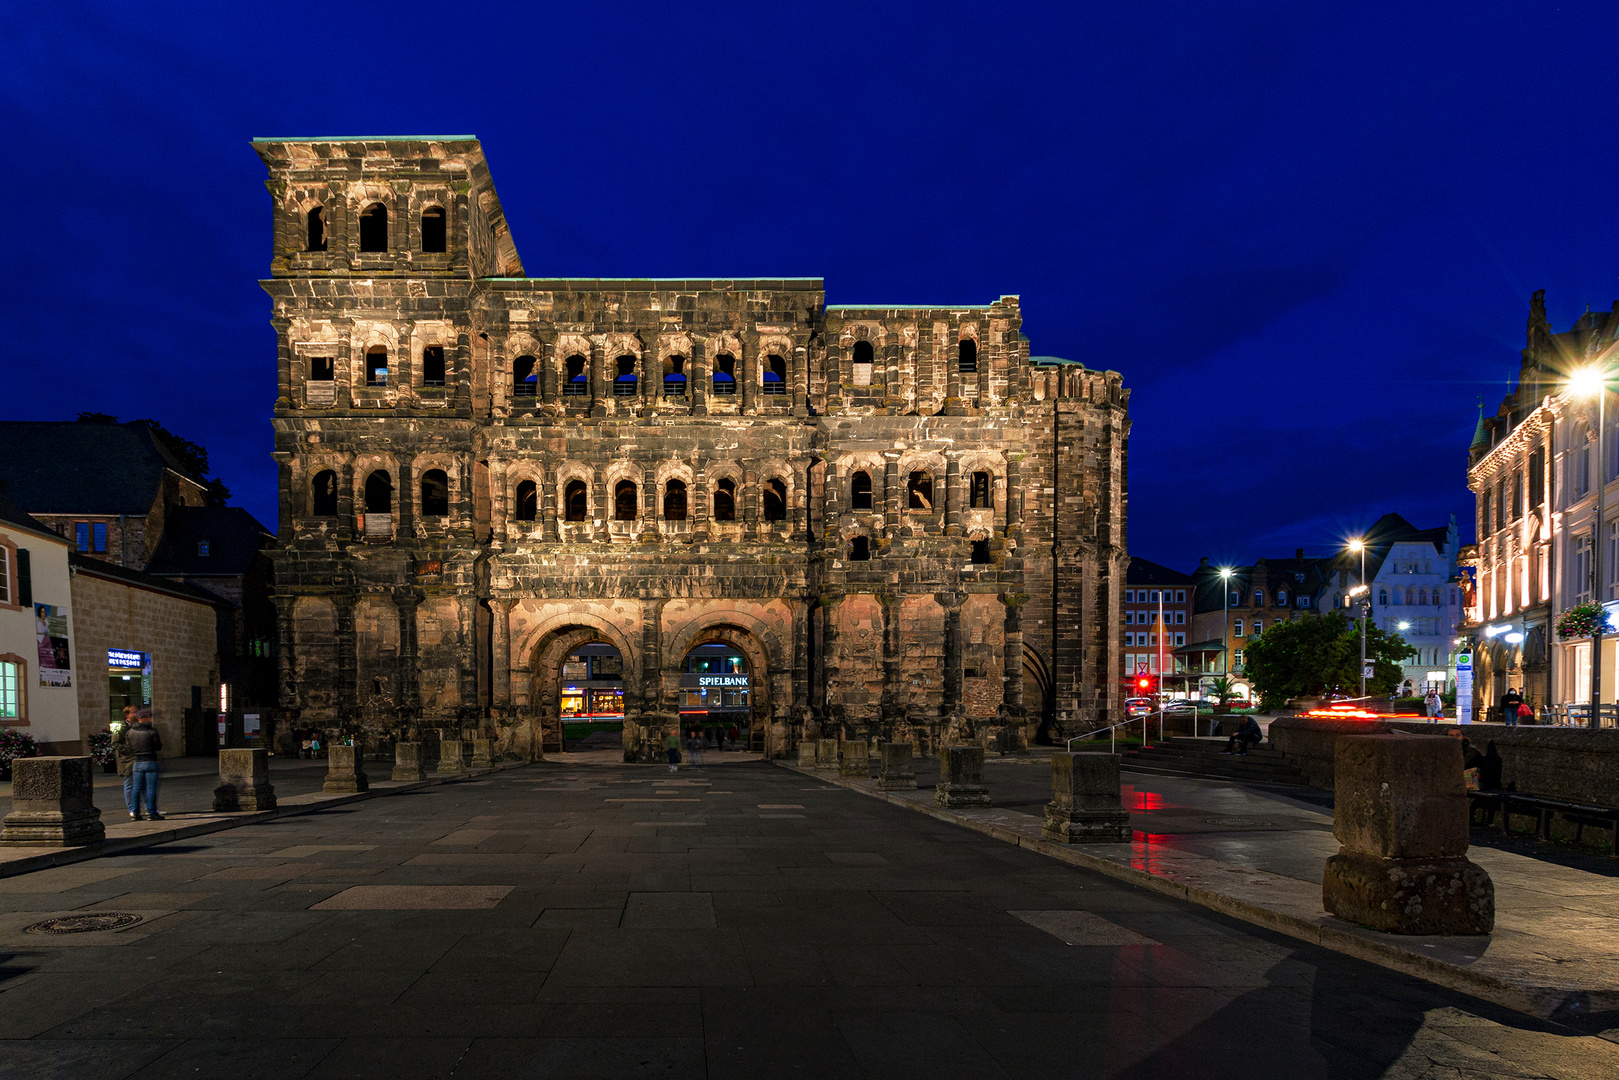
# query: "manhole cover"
[[85, 924], [1241, 823]]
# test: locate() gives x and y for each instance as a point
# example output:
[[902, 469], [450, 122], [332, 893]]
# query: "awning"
[[1212, 646]]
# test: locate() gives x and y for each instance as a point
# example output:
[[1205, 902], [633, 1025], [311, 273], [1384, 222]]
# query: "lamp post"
[[1589, 381], [1359, 545], [1225, 624]]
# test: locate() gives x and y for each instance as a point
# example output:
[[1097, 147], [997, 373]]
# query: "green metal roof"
[[1054, 361]]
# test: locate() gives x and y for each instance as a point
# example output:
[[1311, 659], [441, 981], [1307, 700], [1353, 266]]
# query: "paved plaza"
[[741, 921]]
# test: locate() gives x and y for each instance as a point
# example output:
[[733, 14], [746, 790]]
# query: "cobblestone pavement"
[[742, 921]]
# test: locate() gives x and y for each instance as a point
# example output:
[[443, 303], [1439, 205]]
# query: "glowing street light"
[[1358, 545]]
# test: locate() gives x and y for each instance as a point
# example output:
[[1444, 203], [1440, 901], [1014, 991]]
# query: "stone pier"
[[244, 781], [483, 753], [1085, 807], [856, 760], [961, 778], [895, 773], [408, 766], [345, 772], [51, 803], [450, 760], [807, 753], [826, 754]]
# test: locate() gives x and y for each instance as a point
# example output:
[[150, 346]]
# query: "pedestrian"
[[671, 746], [695, 746], [1246, 735], [126, 758], [1436, 708], [144, 744], [1509, 707]]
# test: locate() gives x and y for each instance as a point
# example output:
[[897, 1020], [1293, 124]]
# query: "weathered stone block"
[[895, 773], [52, 804], [450, 761], [961, 777], [408, 766], [826, 754], [345, 769], [244, 781], [856, 760], [807, 753], [1401, 815], [1085, 807], [483, 753]]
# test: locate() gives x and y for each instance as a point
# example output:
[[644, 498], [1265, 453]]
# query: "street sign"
[[1464, 688], [1366, 672], [1141, 669]]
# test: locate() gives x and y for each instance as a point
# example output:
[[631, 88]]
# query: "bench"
[[1545, 810]]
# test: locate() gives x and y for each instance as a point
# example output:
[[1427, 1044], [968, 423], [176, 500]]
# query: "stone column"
[[597, 378], [1014, 494], [892, 493], [856, 762], [1400, 812], [750, 504], [345, 500], [408, 765], [652, 368], [652, 505], [500, 501], [893, 391], [953, 405], [287, 637], [467, 655], [799, 376], [347, 667], [1012, 659], [283, 363], [405, 503], [697, 381], [548, 496], [952, 497], [345, 769], [1085, 807], [895, 773], [653, 712], [52, 804], [749, 373], [961, 778], [406, 601], [500, 612], [547, 362], [892, 702], [244, 782], [800, 511], [832, 503], [451, 758], [950, 708], [831, 363], [831, 691]]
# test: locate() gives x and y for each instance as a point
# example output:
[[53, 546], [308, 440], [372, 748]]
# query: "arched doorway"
[[716, 690], [591, 685]]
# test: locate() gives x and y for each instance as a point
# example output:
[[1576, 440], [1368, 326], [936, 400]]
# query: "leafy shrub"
[[101, 747], [15, 744]]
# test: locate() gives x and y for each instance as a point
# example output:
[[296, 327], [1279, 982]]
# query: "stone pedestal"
[[895, 773], [856, 760], [961, 777], [483, 753], [244, 781], [806, 753], [51, 803], [408, 766], [1085, 807], [826, 754], [345, 771], [450, 761], [1401, 815]]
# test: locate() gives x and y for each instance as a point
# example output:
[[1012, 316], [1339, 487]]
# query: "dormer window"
[[202, 549]]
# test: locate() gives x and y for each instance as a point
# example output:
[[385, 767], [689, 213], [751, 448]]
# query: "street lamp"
[[1588, 382], [1358, 544], [1225, 625]]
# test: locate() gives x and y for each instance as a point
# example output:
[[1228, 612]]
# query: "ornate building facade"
[[506, 500]]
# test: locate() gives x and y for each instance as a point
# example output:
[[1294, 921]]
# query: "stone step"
[[1266, 779], [1189, 757]]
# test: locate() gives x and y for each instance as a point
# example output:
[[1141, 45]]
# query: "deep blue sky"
[[1306, 237]]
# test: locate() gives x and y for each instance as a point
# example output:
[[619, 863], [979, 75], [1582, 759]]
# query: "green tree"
[[1225, 688], [1318, 653]]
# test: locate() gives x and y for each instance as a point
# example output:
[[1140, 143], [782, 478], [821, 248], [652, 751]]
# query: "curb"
[[1541, 1003], [66, 856]]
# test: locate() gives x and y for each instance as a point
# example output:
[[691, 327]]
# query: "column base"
[[52, 828], [1087, 826], [961, 796], [1410, 896], [237, 798]]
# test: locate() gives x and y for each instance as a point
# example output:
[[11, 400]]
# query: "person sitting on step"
[[1246, 735]]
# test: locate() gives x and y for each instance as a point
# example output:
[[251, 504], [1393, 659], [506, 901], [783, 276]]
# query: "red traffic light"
[[1144, 683]]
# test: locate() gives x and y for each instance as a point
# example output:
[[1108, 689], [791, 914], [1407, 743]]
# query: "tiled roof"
[[64, 467]]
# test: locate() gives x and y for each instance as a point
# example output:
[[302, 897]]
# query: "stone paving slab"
[[1553, 953]]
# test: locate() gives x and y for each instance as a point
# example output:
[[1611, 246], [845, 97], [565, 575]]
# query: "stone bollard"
[[450, 761], [345, 771], [1085, 807], [826, 754], [961, 777], [244, 781], [856, 760], [52, 804], [1401, 815], [895, 774], [483, 753], [807, 753], [408, 767]]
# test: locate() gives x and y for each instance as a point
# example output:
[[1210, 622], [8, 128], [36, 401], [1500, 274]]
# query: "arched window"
[[1281, 597], [576, 384], [725, 500], [980, 551], [1422, 597], [374, 228], [376, 366], [724, 374], [433, 365], [1382, 597], [674, 501], [674, 377], [574, 501], [980, 498], [967, 356], [625, 504], [860, 370], [860, 490], [1259, 598], [525, 380], [859, 549], [435, 237], [920, 491], [775, 375], [316, 223], [863, 353], [527, 502], [624, 380], [323, 494], [435, 493], [775, 500], [379, 493], [1337, 600]]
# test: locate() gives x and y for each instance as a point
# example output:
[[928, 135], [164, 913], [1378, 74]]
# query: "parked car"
[[1139, 706]]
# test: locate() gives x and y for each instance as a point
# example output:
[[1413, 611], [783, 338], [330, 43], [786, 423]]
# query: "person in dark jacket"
[[126, 757], [1246, 735], [144, 743], [1509, 707]]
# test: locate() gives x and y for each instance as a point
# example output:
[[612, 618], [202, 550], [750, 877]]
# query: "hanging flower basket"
[[1581, 620]]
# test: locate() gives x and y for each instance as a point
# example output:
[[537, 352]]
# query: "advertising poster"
[[50, 629], [1464, 688]]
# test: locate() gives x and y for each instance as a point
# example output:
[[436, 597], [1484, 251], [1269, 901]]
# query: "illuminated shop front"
[[715, 685], [593, 684]]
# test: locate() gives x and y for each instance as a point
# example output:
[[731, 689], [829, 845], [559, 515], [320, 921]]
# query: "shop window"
[[859, 549], [625, 505], [980, 551], [433, 365], [775, 500], [323, 494], [724, 374], [577, 378], [624, 381], [525, 379], [967, 356], [435, 237], [374, 228], [919, 491], [435, 493], [674, 377], [980, 496], [376, 366], [575, 501], [775, 375], [315, 224], [725, 500], [860, 490], [527, 501], [674, 501], [379, 493]]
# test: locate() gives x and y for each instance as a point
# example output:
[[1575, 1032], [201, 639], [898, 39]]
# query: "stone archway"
[[545, 683], [769, 730]]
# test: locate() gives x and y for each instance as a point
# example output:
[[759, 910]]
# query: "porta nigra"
[[510, 499]]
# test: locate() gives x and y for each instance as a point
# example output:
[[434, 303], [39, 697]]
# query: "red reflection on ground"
[[1355, 712], [1141, 802]]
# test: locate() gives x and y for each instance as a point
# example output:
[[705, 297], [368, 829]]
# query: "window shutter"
[[25, 580]]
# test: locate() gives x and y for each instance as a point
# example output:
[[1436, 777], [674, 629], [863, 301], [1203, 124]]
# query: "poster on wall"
[[50, 629]]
